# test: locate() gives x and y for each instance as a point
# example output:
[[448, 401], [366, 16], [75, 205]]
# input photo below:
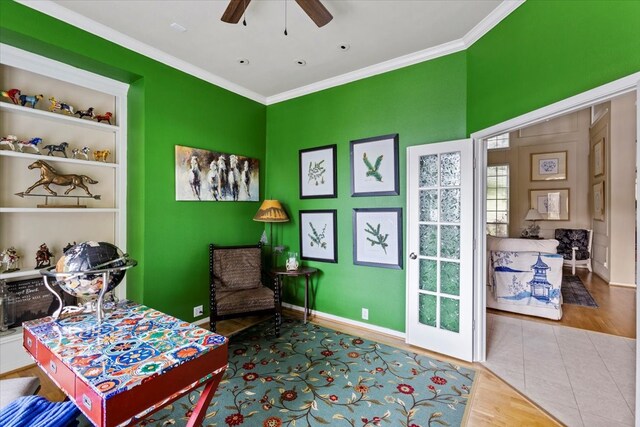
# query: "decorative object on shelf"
[[317, 172], [10, 259], [80, 152], [62, 147], [59, 105], [319, 235], [90, 270], [374, 166], [533, 230], [292, 262], [33, 299], [104, 117], [12, 94], [598, 201], [47, 196], [598, 158], [30, 99], [86, 113], [549, 166], [101, 155], [10, 141], [7, 309], [69, 246], [48, 175], [213, 176], [32, 143], [377, 237], [43, 256], [553, 204]]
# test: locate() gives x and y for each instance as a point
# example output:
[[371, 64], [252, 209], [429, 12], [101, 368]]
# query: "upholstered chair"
[[575, 247]]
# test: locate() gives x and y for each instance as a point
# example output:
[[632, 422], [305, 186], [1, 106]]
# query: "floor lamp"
[[271, 211]]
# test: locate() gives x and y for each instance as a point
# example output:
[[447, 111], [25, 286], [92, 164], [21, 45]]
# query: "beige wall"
[[601, 130]]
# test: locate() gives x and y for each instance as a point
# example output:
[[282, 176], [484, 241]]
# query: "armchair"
[[236, 285], [575, 247]]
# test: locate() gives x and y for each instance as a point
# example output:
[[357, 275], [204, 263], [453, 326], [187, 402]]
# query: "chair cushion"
[[13, 388], [245, 300], [237, 268], [570, 238]]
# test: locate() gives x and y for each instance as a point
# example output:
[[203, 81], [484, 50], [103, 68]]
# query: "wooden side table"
[[281, 272]]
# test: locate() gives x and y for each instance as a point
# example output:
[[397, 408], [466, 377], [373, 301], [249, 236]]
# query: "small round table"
[[307, 272]]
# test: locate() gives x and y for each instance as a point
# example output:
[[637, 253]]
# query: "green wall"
[[166, 107]]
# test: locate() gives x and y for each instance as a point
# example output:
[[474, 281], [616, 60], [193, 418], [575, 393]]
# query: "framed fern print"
[[374, 166], [377, 237], [319, 235], [317, 172]]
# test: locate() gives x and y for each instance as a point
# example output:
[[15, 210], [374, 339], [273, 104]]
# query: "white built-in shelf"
[[20, 273], [10, 153], [16, 336], [57, 117], [57, 210]]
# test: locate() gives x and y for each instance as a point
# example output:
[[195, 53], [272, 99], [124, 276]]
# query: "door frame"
[[599, 94]]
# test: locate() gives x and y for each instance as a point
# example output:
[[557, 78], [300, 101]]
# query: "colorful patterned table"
[[132, 364]]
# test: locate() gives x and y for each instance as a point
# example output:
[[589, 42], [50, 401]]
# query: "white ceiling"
[[377, 31]]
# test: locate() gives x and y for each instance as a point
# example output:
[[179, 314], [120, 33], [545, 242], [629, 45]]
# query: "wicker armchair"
[[236, 285]]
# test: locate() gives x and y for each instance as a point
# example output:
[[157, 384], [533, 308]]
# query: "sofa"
[[524, 276]]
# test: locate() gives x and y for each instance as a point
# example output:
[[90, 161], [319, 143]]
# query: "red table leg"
[[200, 410]]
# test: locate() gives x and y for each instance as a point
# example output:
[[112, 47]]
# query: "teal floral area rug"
[[314, 376]]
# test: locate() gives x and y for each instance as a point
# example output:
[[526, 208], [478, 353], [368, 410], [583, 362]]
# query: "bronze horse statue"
[[48, 175]]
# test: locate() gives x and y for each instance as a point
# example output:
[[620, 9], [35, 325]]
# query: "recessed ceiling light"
[[301, 62], [243, 61], [177, 27], [344, 46]]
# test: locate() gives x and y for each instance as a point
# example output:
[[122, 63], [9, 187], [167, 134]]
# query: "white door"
[[440, 247]]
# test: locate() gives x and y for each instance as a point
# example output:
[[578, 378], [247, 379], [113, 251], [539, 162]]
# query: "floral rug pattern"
[[314, 376]]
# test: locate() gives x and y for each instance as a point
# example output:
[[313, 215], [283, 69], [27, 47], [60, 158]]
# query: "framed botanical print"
[[598, 158], [374, 166], [377, 237], [549, 166], [553, 205], [319, 235], [598, 201], [317, 172]]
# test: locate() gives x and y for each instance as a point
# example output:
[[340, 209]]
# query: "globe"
[[86, 257]]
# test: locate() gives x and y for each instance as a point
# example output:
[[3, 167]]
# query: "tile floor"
[[583, 378]]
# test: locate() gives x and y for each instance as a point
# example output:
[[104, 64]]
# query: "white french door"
[[440, 247]]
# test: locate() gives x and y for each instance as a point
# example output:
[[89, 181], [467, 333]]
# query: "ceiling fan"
[[316, 11]]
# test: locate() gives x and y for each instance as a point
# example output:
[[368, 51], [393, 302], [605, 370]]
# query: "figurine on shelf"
[[9, 140], [32, 143], [28, 99], [106, 117], [101, 155], [48, 175], [69, 246], [62, 147], [81, 152], [86, 113], [58, 105], [12, 94], [11, 259], [43, 256]]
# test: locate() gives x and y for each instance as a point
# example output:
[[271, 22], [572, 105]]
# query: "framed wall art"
[[374, 166], [549, 166], [598, 201], [552, 204], [317, 172], [377, 237], [598, 158], [319, 235], [204, 175]]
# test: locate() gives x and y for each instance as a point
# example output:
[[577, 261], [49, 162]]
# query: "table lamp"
[[532, 230], [271, 211]]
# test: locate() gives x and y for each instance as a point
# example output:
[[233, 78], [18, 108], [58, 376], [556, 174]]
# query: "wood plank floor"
[[616, 314], [493, 402]]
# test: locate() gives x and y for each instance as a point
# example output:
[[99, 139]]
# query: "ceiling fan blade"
[[316, 11], [234, 11]]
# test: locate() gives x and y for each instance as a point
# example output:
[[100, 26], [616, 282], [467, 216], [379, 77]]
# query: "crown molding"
[[70, 17], [503, 10]]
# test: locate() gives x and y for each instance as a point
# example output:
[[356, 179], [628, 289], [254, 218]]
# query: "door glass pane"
[[450, 207], [429, 170], [450, 314], [427, 310], [450, 277], [450, 241], [428, 275], [450, 169], [428, 240]]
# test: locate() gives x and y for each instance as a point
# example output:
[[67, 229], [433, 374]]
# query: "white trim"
[[622, 285], [349, 322], [503, 10], [637, 261]]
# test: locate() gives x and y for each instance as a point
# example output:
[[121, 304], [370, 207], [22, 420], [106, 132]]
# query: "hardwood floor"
[[492, 402], [616, 314]]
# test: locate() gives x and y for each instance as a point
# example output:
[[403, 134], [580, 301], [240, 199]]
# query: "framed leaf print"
[[549, 166], [317, 172], [374, 166], [377, 237], [319, 235], [553, 205]]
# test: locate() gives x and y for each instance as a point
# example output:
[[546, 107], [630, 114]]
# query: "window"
[[498, 200], [498, 141]]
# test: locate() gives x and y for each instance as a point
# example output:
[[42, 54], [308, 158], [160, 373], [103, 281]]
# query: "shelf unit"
[[22, 223]]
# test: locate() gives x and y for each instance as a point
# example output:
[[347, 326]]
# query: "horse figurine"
[[43, 256], [48, 175], [101, 155], [58, 105], [106, 117], [62, 147], [12, 94], [28, 99], [194, 176], [86, 113], [11, 258], [9, 140], [32, 143], [81, 152]]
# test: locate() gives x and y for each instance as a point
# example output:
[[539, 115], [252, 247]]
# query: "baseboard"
[[623, 285]]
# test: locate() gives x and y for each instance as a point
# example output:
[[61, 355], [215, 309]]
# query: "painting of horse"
[[204, 175]]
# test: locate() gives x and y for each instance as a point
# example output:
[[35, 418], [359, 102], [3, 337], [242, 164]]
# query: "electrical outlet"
[[197, 311], [365, 314]]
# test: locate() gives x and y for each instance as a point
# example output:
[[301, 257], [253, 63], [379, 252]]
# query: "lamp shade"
[[271, 211], [533, 215]]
